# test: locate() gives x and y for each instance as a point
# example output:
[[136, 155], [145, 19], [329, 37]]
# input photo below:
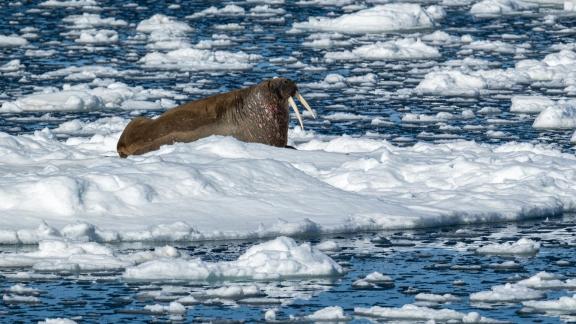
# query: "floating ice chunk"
[[12, 41], [573, 139], [58, 320], [569, 5], [435, 298], [413, 312], [530, 104], [381, 18], [402, 49], [440, 37], [507, 293], [11, 66], [68, 3], [451, 83], [228, 10], [376, 277], [92, 36], [63, 100], [522, 246], [234, 292], [328, 246], [278, 258], [197, 59], [172, 308], [494, 46], [331, 314], [500, 7], [102, 126], [163, 23], [17, 299], [20, 289], [564, 304], [559, 116], [40, 53], [546, 280], [87, 20]]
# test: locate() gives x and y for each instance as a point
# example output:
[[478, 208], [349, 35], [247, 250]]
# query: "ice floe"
[[402, 49], [414, 313], [279, 258], [562, 305], [507, 293], [88, 20], [12, 41], [560, 115], [500, 7], [380, 18], [87, 97], [191, 59], [343, 184], [522, 246], [530, 104]]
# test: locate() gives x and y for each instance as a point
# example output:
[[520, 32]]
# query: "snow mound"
[[562, 115], [381, 18], [500, 7], [279, 258], [402, 49]]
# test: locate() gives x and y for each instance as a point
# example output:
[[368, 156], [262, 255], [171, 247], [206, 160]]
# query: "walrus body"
[[257, 114]]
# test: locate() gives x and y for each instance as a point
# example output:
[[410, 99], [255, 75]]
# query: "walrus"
[[258, 114]]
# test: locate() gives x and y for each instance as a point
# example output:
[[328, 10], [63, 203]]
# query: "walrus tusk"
[[305, 103], [296, 111]]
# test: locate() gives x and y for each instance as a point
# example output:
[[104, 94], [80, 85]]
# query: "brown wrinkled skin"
[[258, 114]]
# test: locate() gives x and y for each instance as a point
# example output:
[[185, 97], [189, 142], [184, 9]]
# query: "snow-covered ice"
[[560, 115], [507, 293], [522, 246], [342, 184], [279, 258], [380, 18], [402, 49], [500, 7], [415, 313]]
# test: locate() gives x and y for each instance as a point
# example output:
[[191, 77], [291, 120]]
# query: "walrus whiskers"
[[296, 111], [305, 103]]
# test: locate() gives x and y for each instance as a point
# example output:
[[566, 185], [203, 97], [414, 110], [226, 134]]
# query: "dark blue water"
[[425, 261], [271, 40]]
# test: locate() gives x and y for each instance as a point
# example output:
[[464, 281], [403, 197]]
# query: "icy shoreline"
[[221, 188]]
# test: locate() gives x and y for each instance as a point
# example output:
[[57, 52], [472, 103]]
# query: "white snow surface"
[[278, 258], [80, 188], [380, 18]]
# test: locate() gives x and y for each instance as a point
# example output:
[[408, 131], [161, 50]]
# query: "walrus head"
[[266, 111]]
